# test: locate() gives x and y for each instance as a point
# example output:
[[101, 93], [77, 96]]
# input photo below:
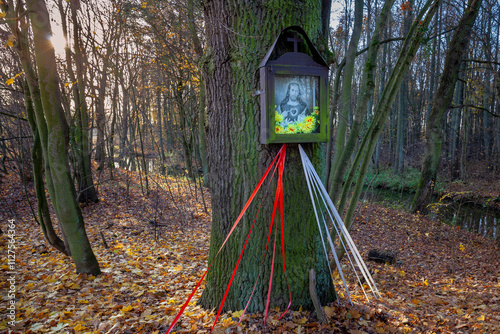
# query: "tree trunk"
[[237, 160], [63, 192], [37, 156], [336, 177], [442, 102], [367, 88], [202, 138], [402, 113], [100, 153], [33, 104], [86, 189]]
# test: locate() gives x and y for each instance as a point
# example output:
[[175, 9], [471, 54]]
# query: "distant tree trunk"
[[111, 140], [53, 120], [444, 96], [237, 160], [466, 120], [455, 126], [402, 111], [86, 189], [202, 138], [432, 73], [124, 147], [487, 95], [100, 154]]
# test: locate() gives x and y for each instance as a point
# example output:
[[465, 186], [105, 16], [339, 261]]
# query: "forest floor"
[[445, 280]]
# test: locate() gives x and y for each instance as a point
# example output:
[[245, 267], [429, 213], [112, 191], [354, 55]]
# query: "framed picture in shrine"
[[296, 100], [297, 106], [293, 91]]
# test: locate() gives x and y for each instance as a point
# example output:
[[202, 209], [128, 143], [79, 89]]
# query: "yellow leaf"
[[9, 81], [74, 286], [79, 328], [462, 247], [127, 308], [227, 322], [2, 15], [237, 314], [426, 283], [144, 4], [66, 84], [29, 310], [481, 318]]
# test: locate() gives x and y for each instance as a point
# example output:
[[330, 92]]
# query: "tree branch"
[[6, 139], [13, 116], [481, 61], [476, 107]]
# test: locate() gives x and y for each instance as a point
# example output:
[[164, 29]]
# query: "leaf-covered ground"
[[445, 280]]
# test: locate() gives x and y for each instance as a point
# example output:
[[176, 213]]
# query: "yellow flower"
[[306, 127], [292, 128], [278, 117], [308, 124], [310, 119], [279, 129], [316, 110]]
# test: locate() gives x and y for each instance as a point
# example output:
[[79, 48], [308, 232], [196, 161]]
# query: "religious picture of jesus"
[[292, 106], [296, 111]]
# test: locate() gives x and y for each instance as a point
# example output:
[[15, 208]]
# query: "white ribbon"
[[319, 194]]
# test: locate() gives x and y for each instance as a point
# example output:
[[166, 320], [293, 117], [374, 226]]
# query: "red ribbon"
[[280, 157]]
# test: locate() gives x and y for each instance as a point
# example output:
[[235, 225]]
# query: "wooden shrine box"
[[293, 91]]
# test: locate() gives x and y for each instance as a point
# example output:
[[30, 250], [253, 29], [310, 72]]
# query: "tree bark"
[[442, 102], [239, 34]]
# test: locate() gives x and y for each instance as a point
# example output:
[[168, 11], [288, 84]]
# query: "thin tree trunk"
[[336, 177], [368, 86], [442, 102]]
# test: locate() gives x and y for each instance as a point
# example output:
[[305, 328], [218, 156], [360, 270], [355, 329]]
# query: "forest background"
[[122, 109]]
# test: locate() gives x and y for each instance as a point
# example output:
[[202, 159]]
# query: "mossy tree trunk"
[[442, 102], [52, 120], [339, 159], [20, 28], [239, 34], [367, 88]]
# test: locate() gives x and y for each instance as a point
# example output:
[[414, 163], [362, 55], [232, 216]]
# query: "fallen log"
[[380, 256]]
